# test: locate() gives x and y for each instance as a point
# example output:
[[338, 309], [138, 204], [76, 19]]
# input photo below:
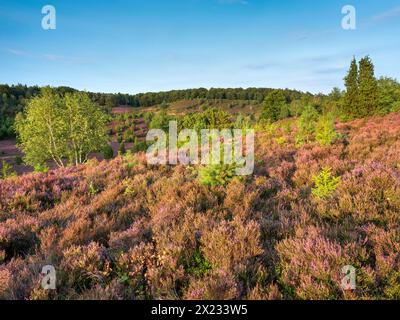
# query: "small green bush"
[[198, 265], [18, 160], [121, 149], [41, 168], [217, 175], [325, 183], [325, 132], [307, 124], [6, 171], [107, 152]]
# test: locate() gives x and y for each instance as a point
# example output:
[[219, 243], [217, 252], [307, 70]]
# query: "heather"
[[124, 229]]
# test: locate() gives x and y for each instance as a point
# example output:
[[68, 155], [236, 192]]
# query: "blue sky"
[[151, 45]]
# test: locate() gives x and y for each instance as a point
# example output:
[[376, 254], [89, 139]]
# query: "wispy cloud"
[[233, 2], [260, 66], [17, 52], [392, 13], [46, 56]]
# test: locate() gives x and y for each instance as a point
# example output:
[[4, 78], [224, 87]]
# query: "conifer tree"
[[351, 97], [368, 88], [273, 104]]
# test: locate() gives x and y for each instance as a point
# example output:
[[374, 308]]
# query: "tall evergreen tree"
[[351, 97], [368, 88]]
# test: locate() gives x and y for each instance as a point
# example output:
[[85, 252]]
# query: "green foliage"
[[198, 266], [242, 122], [217, 175], [108, 152], [307, 125], [41, 168], [362, 96], [92, 189], [129, 134], [160, 121], [211, 118], [121, 148], [55, 127], [148, 116], [281, 141], [389, 95], [6, 171], [325, 132], [368, 88], [139, 146], [6, 127], [275, 106], [19, 161], [351, 97], [325, 183]]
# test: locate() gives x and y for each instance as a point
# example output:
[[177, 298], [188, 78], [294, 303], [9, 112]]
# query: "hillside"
[[10, 153], [123, 229]]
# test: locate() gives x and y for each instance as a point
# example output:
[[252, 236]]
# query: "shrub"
[[121, 148], [108, 152], [306, 125], [41, 168], [18, 160], [325, 183], [217, 175], [198, 266], [6, 171], [325, 132]]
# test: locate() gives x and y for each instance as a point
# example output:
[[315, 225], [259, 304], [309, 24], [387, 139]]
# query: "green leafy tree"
[[351, 97], [58, 128], [325, 132], [87, 127], [325, 183], [368, 88], [389, 95], [274, 103], [42, 130]]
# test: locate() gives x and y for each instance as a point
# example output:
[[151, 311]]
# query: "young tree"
[[325, 132], [42, 130], [87, 127], [273, 104], [351, 96], [306, 125], [58, 128], [389, 95], [368, 88], [6, 171]]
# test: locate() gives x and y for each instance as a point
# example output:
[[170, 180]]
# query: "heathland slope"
[[126, 230]]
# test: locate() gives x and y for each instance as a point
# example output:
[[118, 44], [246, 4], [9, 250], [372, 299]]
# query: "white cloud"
[[395, 12]]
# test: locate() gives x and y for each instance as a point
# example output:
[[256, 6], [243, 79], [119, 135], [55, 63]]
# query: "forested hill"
[[13, 98]]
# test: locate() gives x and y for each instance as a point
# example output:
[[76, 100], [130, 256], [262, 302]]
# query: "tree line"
[[14, 98], [364, 95]]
